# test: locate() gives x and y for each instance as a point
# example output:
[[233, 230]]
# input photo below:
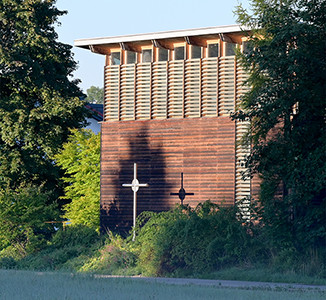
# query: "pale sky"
[[104, 18]]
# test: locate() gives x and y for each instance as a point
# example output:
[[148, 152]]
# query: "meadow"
[[45, 285]]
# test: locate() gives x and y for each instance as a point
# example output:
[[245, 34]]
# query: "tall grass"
[[37, 285]]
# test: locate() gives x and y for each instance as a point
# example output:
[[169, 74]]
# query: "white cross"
[[135, 185]]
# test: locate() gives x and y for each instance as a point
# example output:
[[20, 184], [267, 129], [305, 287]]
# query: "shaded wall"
[[202, 148]]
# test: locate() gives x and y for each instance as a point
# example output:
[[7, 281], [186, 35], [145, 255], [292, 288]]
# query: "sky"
[[107, 18]]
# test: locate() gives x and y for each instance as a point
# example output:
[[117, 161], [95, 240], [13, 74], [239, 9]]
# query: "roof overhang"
[[90, 43]]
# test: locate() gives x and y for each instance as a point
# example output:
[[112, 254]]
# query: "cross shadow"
[[150, 169]]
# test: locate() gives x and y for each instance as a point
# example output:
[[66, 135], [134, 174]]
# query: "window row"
[[180, 52]]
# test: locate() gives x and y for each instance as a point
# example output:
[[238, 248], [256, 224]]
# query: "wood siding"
[[171, 90], [202, 148], [172, 117]]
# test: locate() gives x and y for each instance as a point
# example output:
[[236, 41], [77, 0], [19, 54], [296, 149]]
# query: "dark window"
[[213, 50], [230, 49], [179, 53], [195, 52], [163, 54], [131, 57], [115, 58], [147, 55]]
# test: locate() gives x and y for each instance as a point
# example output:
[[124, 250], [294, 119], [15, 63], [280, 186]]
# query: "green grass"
[[35, 285], [263, 275]]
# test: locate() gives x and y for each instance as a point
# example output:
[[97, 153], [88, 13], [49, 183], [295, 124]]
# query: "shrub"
[[75, 235], [8, 263], [115, 257], [65, 246], [23, 216], [193, 240]]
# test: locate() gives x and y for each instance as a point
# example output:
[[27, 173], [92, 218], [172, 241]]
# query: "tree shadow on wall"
[[148, 155]]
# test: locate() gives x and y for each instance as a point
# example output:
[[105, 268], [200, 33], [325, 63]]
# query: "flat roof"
[[85, 43]]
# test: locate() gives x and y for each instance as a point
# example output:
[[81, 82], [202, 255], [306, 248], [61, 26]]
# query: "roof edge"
[[85, 43]]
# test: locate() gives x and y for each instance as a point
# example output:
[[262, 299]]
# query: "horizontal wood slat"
[[243, 186], [111, 92], [209, 87], [226, 86], [159, 90], [188, 104], [202, 148], [174, 89], [127, 92]]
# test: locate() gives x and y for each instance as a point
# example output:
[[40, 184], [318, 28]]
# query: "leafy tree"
[[80, 158], [95, 95], [23, 214], [38, 100], [286, 62]]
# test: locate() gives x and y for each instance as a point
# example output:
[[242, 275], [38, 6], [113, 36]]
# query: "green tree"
[[80, 158], [23, 217], [39, 102], [286, 62], [95, 95]]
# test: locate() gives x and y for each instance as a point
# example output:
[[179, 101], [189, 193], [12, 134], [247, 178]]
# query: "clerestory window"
[[163, 54], [146, 55], [115, 58], [230, 49], [196, 51], [131, 57], [179, 53], [213, 50]]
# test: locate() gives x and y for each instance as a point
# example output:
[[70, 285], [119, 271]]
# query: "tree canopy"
[[25, 217], [95, 95], [39, 101], [286, 63], [39, 105], [80, 158]]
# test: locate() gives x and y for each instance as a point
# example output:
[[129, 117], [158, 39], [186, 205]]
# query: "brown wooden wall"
[[202, 148]]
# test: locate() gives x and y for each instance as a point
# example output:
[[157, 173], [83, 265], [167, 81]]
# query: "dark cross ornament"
[[135, 185], [182, 193]]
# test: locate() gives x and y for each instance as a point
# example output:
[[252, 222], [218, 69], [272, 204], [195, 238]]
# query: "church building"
[[168, 99]]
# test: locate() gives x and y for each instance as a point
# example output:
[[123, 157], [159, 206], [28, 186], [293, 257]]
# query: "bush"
[[8, 263], [191, 240], [23, 216], [75, 235], [65, 246], [115, 257]]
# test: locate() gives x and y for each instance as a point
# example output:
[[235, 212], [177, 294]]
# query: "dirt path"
[[224, 283]]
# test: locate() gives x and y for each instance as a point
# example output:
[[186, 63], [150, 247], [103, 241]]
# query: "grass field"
[[264, 275], [35, 285]]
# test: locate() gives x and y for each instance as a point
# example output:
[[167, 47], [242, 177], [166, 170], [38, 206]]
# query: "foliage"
[[191, 240], [74, 236], [65, 246], [95, 95], [286, 63], [23, 214], [39, 104], [80, 158], [79, 249], [206, 242], [115, 257], [38, 100]]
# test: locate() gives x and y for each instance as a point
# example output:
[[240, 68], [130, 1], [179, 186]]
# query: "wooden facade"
[[168, 100]]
